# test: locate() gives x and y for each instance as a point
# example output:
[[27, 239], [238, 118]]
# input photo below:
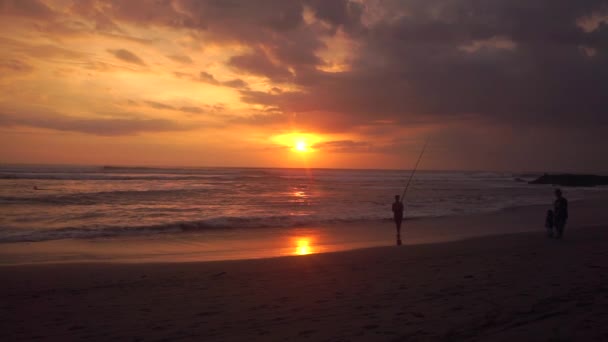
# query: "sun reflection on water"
[[303, 247]]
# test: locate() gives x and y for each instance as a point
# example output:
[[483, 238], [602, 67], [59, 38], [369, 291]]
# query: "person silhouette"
[[560, 213], [398, 217], [549, 223]]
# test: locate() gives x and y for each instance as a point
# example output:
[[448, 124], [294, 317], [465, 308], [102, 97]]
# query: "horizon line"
[[157, 166]]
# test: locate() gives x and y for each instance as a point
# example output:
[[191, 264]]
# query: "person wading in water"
[[398, 205], [398, 217]]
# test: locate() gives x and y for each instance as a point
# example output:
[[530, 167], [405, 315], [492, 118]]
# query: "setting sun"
[[298, 142], [301, 146]]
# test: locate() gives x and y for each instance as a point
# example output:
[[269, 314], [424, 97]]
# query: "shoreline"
[[242, 244], [259, 243], [338, 253]]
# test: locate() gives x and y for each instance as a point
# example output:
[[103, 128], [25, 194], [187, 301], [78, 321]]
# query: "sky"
[[513, 85]]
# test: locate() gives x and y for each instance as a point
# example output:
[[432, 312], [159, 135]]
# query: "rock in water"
[[571, 180]]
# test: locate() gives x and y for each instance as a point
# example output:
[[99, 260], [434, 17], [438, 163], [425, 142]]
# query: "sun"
[[301, 143], [301, 146]]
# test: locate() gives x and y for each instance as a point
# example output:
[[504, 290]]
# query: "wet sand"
[[518, 286]]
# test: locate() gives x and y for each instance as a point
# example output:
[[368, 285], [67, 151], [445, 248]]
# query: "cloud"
[[236, 83], [191, 109], [158, 105], [439, 61], [183, 59], [206, 77], [344, 146], [14, 66], [103, 22], [414, 60], [127, 56], [130, 125], [39, 51], [185, 109], [27, 8], [339, 13], [258, 63], [403, 64]]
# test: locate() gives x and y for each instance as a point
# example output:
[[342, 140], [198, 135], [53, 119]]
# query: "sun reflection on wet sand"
[[303, 247]]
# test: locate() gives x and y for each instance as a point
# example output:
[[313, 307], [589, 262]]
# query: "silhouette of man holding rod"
[[398, 217], [398, 205]]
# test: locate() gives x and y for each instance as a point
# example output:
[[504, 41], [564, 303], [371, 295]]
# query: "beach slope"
[[499, 288]]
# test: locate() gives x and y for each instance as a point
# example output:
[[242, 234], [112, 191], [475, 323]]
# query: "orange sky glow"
[[71, 68], [195, 83]]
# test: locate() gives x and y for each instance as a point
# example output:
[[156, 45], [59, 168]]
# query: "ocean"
[[41, 203]]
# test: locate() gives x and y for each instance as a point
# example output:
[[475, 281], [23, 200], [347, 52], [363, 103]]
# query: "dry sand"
[[522, 286]]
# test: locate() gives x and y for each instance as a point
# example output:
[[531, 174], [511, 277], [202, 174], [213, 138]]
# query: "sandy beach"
[[500, 287]]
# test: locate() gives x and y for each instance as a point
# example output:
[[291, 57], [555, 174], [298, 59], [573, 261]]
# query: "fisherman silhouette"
[[398, 205], [549, 223], [398, 217]]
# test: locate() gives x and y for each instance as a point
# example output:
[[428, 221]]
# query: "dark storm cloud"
[[520, 61], [338, 13], [506, 61], [102, 21], [228, 18], [127, 56], [543, 76], [129, 125], [275, 26], [510, 63], [498, 60]]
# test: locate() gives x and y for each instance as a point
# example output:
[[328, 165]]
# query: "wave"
[[28, 235], [92, 198], [122, 177]]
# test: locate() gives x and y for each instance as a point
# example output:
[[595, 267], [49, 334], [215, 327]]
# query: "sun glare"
[[298, 142], [301, 146]]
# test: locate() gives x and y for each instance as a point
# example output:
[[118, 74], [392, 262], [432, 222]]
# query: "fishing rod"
[[414, 170]]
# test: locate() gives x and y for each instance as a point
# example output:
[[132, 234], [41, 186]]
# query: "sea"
[[42, 203]]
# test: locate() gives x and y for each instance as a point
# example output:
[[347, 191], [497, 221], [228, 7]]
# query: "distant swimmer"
[[398, 217]]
